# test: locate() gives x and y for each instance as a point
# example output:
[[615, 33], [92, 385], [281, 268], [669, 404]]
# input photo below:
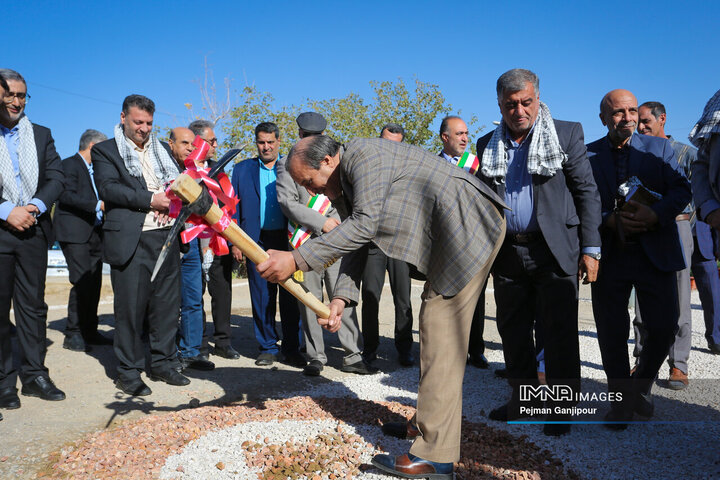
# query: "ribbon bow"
[[220, 190]]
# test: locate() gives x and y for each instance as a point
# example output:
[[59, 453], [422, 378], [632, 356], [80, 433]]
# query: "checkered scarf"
[[545, 155], [28, 161], [164, 166], [708, 124]]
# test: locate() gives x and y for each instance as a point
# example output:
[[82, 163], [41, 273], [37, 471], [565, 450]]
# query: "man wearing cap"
[[295, 202]]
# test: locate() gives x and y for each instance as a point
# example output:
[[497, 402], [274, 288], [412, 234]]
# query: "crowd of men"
[[537, 207]]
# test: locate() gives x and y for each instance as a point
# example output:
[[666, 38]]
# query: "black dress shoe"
[[9, 398], [44, 388], [360, 368], [644, 405], [404, 430], [501, 373], [265, 359], [410, 466], [616, 419], [199, 362], [557, 429], [313, 368], [227, 352], [369, 357], [714, 348], [295, 360], [135, 388], [508, 413], [478, 361], [96, 338], [75, 343], [169, 376], [406, 359]]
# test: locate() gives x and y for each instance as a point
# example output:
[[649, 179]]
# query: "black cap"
[[311, 122]]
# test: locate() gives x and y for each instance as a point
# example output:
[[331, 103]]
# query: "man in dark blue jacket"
[[259, 215], [640, 247]]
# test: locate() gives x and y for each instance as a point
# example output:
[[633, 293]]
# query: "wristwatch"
[[596, 256]]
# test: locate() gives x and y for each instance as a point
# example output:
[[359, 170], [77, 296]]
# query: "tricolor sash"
[[469, 162], [299, 234]]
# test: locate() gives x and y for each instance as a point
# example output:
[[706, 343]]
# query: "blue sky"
[[82, 58]]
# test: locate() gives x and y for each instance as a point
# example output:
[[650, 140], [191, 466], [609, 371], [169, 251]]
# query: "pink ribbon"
[[220, 189]]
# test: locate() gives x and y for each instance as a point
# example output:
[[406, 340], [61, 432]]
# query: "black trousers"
[[476, 347], [23, 265], [620, 270], [530, 287], [372, 285], [220, 288], [84, 261], [137, 301]]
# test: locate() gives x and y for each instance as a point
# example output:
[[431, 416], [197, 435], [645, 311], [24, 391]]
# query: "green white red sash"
[[469, 162], [299, 234]]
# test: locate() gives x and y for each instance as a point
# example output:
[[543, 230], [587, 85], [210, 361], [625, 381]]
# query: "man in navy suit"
[[78, 227], [259, 215], [539, 166], [640, 247]]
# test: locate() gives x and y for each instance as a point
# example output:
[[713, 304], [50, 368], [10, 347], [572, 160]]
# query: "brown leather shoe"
[[677, 380], [410, 466], [404, 430]]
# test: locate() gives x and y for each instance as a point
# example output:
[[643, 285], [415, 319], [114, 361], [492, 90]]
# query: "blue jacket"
[[246, 183], [652, 160]]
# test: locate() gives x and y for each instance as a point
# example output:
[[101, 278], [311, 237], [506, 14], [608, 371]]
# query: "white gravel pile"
[[682, 441]]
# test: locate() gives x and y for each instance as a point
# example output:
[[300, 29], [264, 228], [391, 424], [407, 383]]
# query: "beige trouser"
[[444, 334]]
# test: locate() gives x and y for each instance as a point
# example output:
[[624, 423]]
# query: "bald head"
[[619, 113], [181, 140]]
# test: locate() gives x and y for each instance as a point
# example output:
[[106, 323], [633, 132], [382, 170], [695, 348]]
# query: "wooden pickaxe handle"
[[188, 190]]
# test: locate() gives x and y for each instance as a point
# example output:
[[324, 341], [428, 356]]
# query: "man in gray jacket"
[[295, 203], [444, 222]]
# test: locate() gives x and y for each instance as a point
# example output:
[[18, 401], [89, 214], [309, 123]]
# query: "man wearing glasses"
[[32, 180], [219, 282]]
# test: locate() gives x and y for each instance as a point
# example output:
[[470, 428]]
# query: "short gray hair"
[[199, 126], [393, 128], [514, 80], [90, 136], [313, 152], [8, 74]]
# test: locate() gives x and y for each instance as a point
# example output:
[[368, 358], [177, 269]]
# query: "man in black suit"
[[132, 170], [373, 281], [454, 137], [219, 282], [32, 180], [78, 227], [539, 166]]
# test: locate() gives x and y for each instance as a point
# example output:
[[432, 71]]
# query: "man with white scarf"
[[539, 166], [132, 172], [31, 180], [705, 135]]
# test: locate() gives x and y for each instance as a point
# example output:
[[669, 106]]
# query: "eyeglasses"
[[10, 97], [212, 141]]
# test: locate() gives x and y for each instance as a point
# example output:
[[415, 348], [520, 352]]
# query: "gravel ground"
[[229, 437]]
